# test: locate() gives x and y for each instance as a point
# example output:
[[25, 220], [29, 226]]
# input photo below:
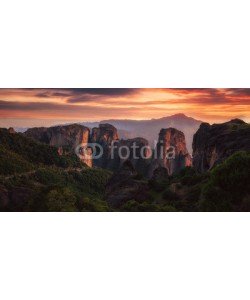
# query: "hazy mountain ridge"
[[149, 129]]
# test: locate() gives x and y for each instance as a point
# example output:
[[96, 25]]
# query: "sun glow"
[[73, 105]]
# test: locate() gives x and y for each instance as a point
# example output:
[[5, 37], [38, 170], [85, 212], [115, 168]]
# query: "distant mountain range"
[[149, 129]]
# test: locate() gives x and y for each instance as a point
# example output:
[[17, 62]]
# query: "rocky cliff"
[[111, 153], [149, 129], [136, 150], [171, 152], [67, 138], [104, 135], [212, 144]]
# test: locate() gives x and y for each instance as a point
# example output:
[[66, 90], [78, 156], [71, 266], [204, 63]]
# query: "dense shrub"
[[215, 199], [233, 175], [187, 171], [158, 185], [134, 206], [169, 196], [228, 184], [188, 176], [88, 204], [193, 193], [12, 163], [92, 179], [49, 176], [35, 152], [61, 200]]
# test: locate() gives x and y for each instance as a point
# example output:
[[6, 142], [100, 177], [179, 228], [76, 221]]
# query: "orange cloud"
[[91, 104]]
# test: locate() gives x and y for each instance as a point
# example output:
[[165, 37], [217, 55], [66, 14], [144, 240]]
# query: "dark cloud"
[[105, 91], [30, 106], [90, 94], [59, 94], [42, 95], [85, 98], [234, 91], [212, 96], [78, 95], [71, 96], [240, 91], [16, 106]]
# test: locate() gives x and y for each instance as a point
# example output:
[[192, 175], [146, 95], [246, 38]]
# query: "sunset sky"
[[45, 107]]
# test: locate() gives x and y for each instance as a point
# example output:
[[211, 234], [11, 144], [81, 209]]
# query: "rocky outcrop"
[[104, 136], [136, 150], [149, 129], [171, 152], [212, 144], [124, 186], [67, 138], [11, 130]]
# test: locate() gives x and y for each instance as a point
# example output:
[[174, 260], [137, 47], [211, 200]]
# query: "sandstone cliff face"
[[171, 152], [66, 138], [60, 136], [104, 135], [214, 143]]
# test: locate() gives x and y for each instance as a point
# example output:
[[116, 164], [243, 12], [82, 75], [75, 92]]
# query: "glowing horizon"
[[46, 107]]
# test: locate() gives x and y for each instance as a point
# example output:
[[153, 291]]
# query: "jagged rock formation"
[[102, 148], [212, 144], [124, 186], [104, 135], [149, 129], [171, 152], [67, 138], [60, 136], [11, 130], [136, 150]]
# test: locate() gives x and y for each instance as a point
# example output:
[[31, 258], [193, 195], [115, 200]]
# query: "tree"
[[61, 200], [228, 184]]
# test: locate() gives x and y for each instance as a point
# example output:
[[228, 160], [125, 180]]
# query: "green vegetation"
[[56, 189], [134, 206], [225, 188], [35, 152], [33, 177], [11, 162], [38, 179], [228, 188], [61, 200]]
